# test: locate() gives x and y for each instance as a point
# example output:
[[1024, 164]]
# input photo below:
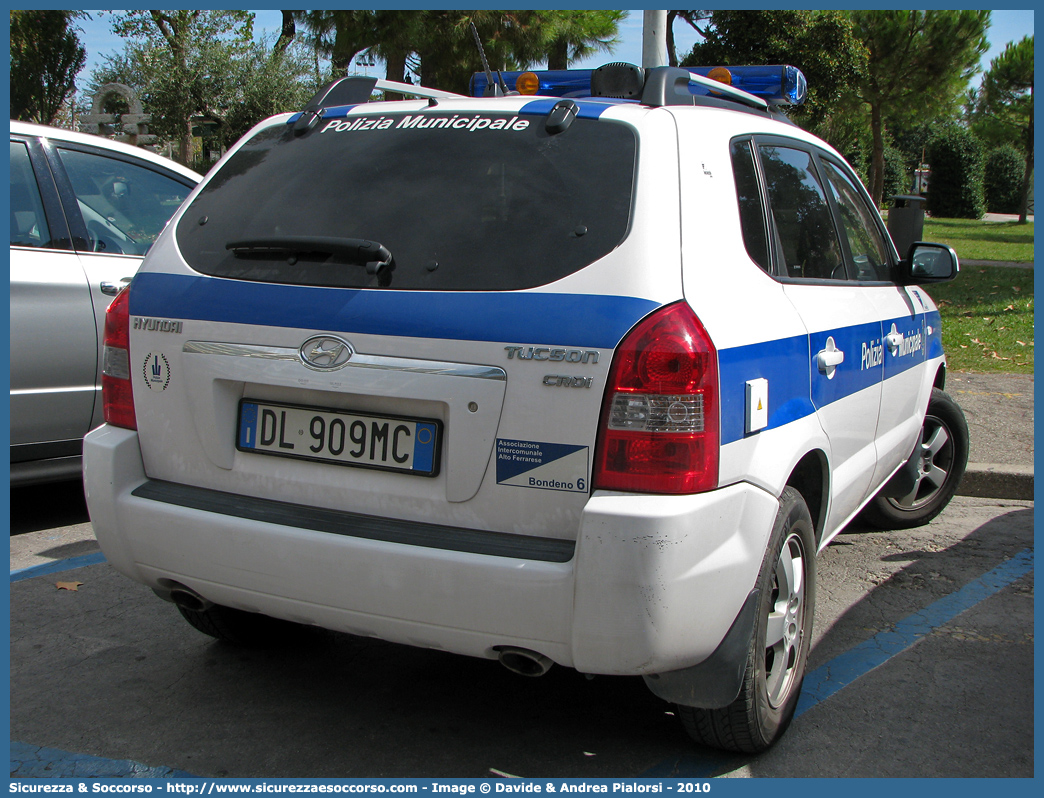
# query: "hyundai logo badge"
[[326, 352]]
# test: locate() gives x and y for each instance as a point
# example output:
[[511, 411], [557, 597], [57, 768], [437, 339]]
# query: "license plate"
[[390, 443]]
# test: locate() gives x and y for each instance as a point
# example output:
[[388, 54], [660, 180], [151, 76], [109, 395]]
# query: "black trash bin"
[[906, 221]]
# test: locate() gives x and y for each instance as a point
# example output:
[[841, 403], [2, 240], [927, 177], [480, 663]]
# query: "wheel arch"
[[940, 378], [811, 478]]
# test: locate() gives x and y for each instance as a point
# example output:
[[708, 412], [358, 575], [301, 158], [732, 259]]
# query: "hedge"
[[1005, 167], [955, 188]]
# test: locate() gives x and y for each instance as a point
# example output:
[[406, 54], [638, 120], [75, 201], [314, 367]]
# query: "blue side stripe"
[[581, 320], [596, 321], [784, 363], [796, 388], [935, 345], [851, 376]]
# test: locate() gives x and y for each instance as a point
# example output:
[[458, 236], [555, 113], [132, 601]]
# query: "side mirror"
[[928, 263]]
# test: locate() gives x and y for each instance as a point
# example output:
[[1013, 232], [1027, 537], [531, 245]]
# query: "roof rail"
[[670, 86], [354, 90], [415, 91]]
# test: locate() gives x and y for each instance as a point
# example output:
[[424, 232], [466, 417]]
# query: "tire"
[[248, 629], [779, 647], [943, 454]]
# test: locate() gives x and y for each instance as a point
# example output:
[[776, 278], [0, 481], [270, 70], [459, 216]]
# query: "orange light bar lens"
[[721, 74], [527, 83]]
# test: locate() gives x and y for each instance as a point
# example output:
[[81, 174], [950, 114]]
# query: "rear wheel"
[[940, 458], [241, 628], [779, 647]]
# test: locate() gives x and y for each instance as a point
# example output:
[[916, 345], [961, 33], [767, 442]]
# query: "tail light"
[[117, 399], [659, 429]]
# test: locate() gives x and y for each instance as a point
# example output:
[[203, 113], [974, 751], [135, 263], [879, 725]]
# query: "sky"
[[99, 40]]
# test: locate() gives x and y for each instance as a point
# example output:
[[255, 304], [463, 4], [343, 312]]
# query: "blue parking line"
[[844, 669], [693, 766], [57, 566], [35, 762]]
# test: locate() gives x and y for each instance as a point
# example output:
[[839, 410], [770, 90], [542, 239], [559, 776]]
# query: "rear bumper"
[[652, 583]]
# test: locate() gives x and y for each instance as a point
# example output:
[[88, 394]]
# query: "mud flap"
[[715, 682]]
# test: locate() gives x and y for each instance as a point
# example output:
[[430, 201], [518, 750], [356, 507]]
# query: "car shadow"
[[37, 507]]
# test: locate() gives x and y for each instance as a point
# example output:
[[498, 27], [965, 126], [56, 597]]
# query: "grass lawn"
[[987, 317], [977, 240]]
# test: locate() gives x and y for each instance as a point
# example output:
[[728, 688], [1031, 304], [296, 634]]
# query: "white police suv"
[[583, 379]]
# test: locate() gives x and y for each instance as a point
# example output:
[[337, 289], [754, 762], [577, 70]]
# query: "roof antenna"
[[498, 89]]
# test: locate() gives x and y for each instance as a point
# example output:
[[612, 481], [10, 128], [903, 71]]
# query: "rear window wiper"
[[371, 254]]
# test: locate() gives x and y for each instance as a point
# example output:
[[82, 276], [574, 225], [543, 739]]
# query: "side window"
[[124, 206], [28, 223], [748, 195], [802, 219], [869, 251]]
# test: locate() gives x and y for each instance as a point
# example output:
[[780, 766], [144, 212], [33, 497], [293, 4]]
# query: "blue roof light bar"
[[773, 85], [553, 82], [776, 85]]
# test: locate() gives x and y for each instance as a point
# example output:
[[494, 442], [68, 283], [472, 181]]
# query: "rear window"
[[476, 201]]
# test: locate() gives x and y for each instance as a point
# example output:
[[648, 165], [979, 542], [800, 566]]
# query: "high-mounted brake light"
[[771, 85], [659, 427], [117, 397]]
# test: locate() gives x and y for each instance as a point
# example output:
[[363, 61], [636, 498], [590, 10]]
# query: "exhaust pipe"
[[189, 599], [524, 662]]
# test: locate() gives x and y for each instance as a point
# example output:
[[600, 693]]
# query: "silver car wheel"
[[936, 461], [786, 621]]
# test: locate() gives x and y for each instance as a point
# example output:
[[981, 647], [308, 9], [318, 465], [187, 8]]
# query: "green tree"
[[46, 54], [447, 53], [573, 35], [919, 62], [846, 125], [956, 188], [339, 35], [819, 43], [267, 81], [394, 33], [185, 57], [1004, 172], [695, 20], [1005, 104], [232, 80], [438, 46]]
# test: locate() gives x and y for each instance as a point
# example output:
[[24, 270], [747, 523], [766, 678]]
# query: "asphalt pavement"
[[921, 666]]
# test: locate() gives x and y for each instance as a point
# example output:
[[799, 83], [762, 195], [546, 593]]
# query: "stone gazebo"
[[135, 124]]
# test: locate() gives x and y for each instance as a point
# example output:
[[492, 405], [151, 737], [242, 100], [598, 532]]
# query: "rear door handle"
[[894, 340], [830, 358]]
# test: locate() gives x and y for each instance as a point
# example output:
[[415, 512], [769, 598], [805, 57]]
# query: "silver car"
[[84, 210]]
